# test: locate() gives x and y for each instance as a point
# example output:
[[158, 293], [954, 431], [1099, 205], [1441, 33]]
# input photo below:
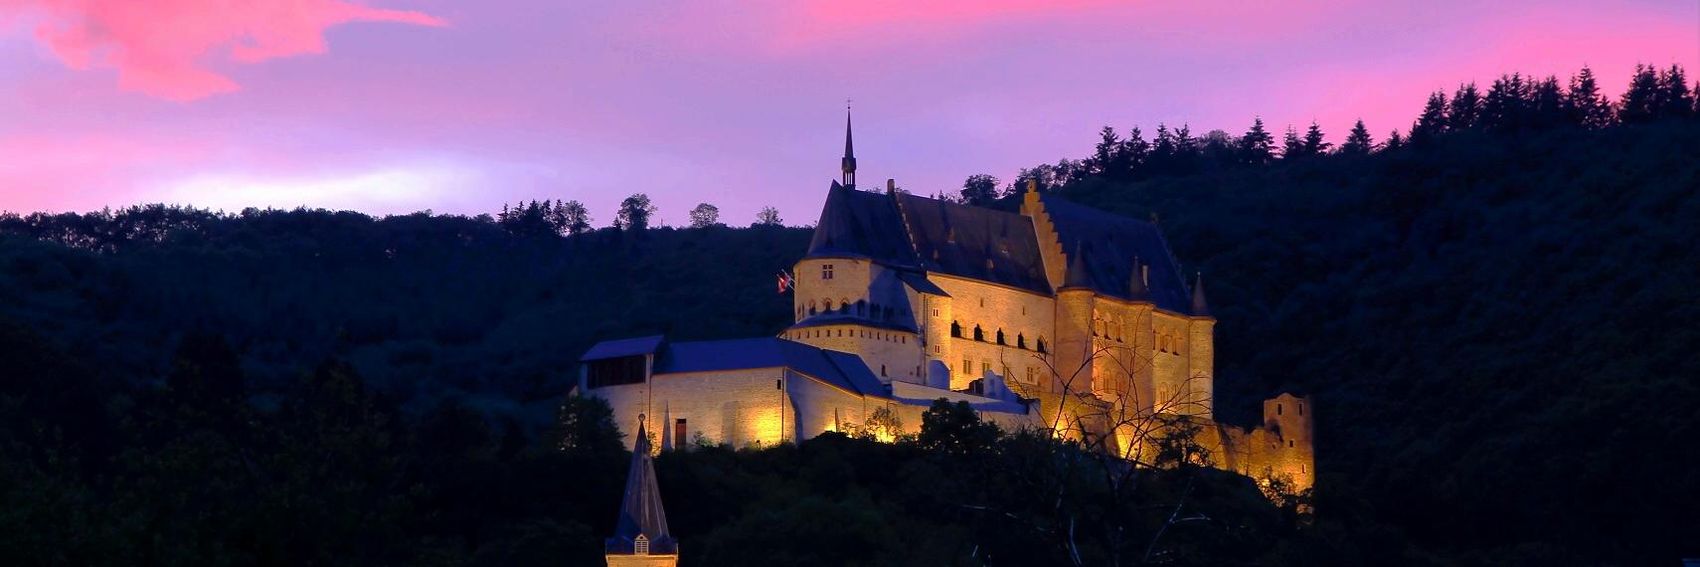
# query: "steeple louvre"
[[848, 164]]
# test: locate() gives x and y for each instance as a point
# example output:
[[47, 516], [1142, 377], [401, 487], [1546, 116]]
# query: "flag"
[[786, 281]]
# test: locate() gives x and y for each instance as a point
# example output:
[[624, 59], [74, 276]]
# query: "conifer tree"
[[1394, 142], [1584, 104], [1162, 158], [1675, 100], [1506, 107], [1255, 145], [1641, 99], [1432, 122], [1547, 103], [1291, 147], [1465, 111], [1135, 150], [1105, 156], [1358, 142], [1315, 143]]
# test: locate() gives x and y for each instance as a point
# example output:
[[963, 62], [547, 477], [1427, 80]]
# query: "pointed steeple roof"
[[1199, 307], [848, 164], [640, 509], [1077, 275]]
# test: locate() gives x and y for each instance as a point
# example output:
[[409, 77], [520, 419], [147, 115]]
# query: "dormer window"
[[640, 546], [826, 271]]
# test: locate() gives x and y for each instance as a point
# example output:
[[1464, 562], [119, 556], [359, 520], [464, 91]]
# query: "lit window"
[[640, 546], [967, 366], [826, 271], [985, 366]]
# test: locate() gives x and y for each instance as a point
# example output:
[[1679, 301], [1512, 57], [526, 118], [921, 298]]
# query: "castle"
[[1057, 317]]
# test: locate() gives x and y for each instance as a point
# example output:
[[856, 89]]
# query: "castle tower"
[[1201, 355], [640, 534], [848, 164]]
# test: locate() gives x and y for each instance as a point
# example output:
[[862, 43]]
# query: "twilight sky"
[[392, 106]]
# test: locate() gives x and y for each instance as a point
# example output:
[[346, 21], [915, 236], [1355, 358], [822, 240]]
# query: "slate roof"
[[917, 233], [1109, 243], [840, 369], [623, 347], [920, 283], [640, 508]]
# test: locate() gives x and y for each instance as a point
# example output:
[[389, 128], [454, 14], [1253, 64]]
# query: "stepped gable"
[[1111, 242], [975, 242], [861, 225]]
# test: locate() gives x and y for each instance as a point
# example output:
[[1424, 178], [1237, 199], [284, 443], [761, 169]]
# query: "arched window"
[[811, 307], [956, 329], [861, 307], [1000, 337], [1040, 346], [979, 334], [844, 307], [1020, 341]]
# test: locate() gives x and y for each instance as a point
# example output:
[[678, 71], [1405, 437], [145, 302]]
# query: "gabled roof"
[[861, 224], [1110, 243], [974, 242], [840, 369], [640, 509], [623, 347]]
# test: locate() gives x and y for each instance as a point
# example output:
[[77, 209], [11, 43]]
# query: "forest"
[[1493, 313]]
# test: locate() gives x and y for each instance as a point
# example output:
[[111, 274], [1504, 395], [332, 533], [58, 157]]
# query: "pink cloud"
[[161, 47]]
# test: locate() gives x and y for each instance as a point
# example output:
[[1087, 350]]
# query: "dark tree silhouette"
[[1641, 100], [1433, 120], [705, 215], [1358, 141], [635, 212], [1256, 145], [1584, 104], [980, 190], [1465, 110], [769, 216]]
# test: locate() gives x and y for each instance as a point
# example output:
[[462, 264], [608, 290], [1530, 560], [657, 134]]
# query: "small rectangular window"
[[826, 271], [985, 366], [679, 432], [967, 366]]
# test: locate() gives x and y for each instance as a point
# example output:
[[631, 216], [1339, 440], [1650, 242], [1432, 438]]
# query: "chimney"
[[890, 185]]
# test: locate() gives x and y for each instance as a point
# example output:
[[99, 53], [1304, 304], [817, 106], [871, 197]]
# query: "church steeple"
[[848, 164], [640, 533]]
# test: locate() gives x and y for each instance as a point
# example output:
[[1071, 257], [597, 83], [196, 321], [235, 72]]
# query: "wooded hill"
[[1495, 318]]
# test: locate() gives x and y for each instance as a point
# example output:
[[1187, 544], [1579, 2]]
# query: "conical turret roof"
[[1077, 275]]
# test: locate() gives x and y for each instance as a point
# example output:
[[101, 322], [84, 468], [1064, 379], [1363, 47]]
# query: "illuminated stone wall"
[[740, 408], [642, 560]]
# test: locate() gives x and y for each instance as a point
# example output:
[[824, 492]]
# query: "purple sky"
[[392, 106]]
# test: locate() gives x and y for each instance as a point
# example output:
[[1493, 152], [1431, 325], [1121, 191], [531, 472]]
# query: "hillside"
[[1497, 330]]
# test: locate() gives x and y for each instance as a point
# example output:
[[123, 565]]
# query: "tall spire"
[[848, 164], [642, 526]]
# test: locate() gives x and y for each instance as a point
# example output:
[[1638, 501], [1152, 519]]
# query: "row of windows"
[[862, 309], [986, 366], [898, 338], [999, 337]]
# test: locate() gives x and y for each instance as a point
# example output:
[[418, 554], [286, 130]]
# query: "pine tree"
[[1106, 156], [1584, 104], [1432, 123], [1291, 147], [1466, 109], [1161, 161], [1506, 107], [1394, 142], [1358, 142], [1640, 101], [1547, 103], [1675, 100], [1315, 143], [1136, 151], [1255, 145]]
